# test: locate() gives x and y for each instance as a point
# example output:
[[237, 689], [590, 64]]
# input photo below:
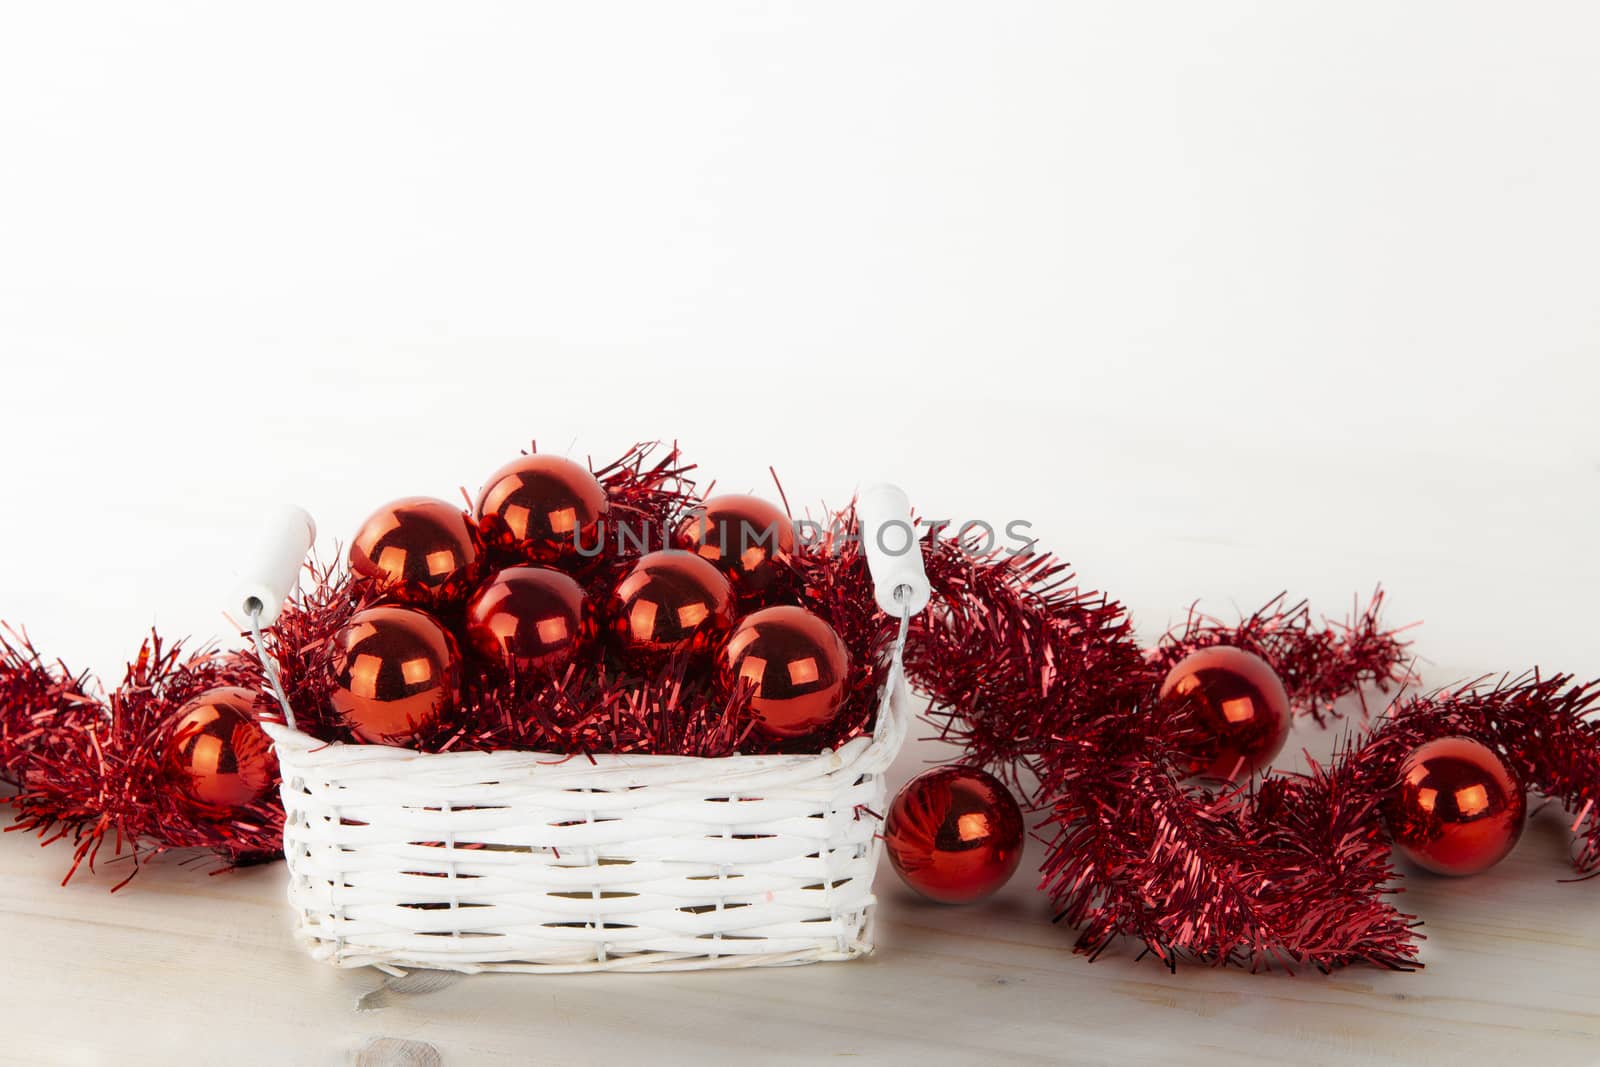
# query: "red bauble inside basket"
[[395, 672], [419, 550], [670, 603], [794, 665], [542, 508], [746, 538], [529, 619]]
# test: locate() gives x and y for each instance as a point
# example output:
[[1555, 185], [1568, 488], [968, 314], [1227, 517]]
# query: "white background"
[[1225, 298]]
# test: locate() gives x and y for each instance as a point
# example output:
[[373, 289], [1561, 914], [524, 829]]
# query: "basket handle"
[[894, 553], [271, 573], [271, 570], [888, 535]]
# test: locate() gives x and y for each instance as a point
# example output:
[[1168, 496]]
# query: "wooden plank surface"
[[182, 967]]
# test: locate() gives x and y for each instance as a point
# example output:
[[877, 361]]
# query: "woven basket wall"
[[522, 861]]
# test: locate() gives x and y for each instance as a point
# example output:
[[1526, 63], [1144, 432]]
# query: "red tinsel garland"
[[90, 771], [36, 699], [1033, 674], [1541, 726], [1319, 663], [1042, 681], [1014, 652]]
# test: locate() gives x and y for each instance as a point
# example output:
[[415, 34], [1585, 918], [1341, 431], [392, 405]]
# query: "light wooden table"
[[181, 968]]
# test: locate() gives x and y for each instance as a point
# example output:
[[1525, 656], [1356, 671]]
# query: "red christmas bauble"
[[954, 834], [217, 756], [419, 550], [796, 666], [746, 538], [543, 508], [669, 603], [396, 673], [1238, 707], [529, 619], [1458, 809]]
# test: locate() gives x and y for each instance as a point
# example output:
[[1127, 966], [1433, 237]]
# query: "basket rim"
[[300, 744], [888, 733]]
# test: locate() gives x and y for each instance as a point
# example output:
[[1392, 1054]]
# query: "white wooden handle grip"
[[272, 570], [894, 553]]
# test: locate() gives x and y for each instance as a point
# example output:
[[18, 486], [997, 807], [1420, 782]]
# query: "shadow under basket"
[[526, 861]]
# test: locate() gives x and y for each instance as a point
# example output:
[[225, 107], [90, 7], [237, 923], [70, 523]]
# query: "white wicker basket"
[[523, 861]]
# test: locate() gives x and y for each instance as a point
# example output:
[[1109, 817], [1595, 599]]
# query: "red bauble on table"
[[796, 667], [396, 673], [746, 538], [542, 508], [670, 603], [1238, 710], [419, 550], [217, 756], [529, 619], [954, 834], [1458, 809]]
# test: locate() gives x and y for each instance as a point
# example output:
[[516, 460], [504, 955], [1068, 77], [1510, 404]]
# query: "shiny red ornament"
[[529, 619], [954, 834], [1238, 708], [1458, 808], [396, 673], [543, 508], [670, 602], [419, 550], [746, 538], [796, 666], [217, 755]]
